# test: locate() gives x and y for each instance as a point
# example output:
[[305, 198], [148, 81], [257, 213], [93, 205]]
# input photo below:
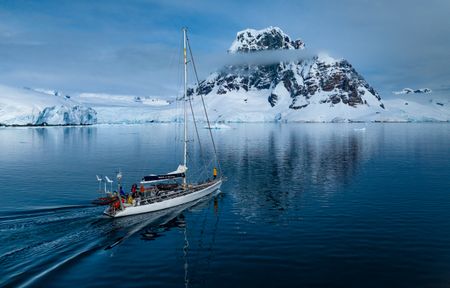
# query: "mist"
[[265, 57]]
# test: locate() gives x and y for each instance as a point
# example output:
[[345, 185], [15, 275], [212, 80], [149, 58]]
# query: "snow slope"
[[401, 110], [113, 109], [22, 107], [28, 107], [240, 106]]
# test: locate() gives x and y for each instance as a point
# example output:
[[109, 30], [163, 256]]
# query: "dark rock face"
[[331, 81], [272, 99], [423, 90], [412, 91], [341, 78]]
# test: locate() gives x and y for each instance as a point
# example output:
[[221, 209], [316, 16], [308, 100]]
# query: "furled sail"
[[179, 173]]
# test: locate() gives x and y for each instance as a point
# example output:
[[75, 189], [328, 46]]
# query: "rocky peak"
[[271, 38], [320, 80]]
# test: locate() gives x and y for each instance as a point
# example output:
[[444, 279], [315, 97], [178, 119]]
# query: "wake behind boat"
[[163, 191]]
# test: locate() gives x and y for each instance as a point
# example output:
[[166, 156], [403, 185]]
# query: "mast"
[[204, 109], [119, 185], [184, 106]]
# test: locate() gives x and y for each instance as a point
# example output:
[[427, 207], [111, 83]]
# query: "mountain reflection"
[[278, 164]]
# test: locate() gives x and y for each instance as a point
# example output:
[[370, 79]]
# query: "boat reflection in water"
[[152, 225]]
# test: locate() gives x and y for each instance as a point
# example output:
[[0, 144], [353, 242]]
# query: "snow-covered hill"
[[34, 106], [431, 109], [30, 107], [116, 109]]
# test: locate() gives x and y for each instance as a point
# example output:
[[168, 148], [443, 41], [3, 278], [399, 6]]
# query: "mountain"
[[272, 38], [272, 79], [320, 88]]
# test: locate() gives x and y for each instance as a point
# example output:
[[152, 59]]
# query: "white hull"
[[165, 204]]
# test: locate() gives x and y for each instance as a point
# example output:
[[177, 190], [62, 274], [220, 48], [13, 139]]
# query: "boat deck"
[[165, 195]]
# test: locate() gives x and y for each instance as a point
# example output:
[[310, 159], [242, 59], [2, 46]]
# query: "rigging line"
[[204, 106], [196, 131], [203, 173]]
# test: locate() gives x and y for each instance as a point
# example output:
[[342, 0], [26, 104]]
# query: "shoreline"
[[174, 122]]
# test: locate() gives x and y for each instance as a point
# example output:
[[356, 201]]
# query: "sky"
[[133, 47]]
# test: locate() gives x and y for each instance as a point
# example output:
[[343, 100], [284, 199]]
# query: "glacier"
[[41, 107]]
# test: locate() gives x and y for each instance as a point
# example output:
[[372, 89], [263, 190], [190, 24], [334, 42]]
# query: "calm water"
[[304, 205]]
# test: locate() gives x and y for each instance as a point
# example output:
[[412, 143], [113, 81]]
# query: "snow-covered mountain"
[[297, 88], [272, 38], [317, 89]]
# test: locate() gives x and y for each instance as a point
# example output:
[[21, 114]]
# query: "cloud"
[[266, 57], [133, 46]]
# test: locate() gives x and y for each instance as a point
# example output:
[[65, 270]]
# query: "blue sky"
[[132, 46]]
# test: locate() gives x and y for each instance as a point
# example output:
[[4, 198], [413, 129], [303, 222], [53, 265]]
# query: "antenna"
[[109, 181], [119, 188], [99, 179]]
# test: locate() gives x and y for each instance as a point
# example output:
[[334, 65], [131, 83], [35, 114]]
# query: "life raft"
[[102, 201]]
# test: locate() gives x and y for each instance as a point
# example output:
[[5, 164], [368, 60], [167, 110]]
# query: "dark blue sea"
[[304, 205]]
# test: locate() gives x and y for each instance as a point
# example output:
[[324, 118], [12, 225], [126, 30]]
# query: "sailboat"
[[163, 191]]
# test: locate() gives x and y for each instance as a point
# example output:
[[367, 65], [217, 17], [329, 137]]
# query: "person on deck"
[[121, 191], [134, 190], [141, 190], [215, 173]]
